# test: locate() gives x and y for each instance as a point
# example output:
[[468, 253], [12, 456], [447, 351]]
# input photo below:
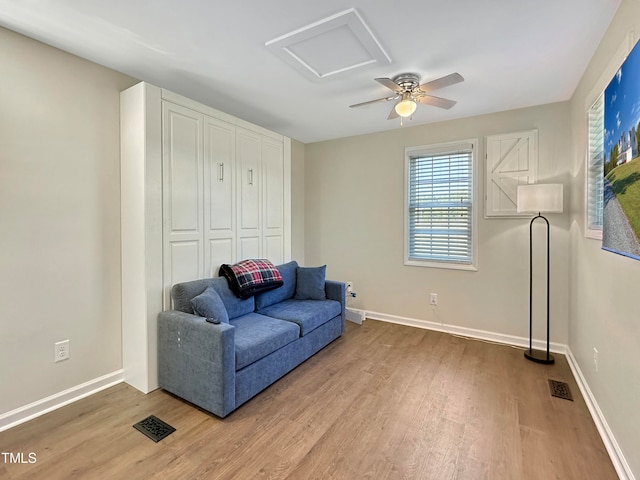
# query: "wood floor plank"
[[384, 401]]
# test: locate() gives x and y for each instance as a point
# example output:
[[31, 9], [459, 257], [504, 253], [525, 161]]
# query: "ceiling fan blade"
[[442, 82], [393, 114], [390, 84], [436, 101], [393, 97]]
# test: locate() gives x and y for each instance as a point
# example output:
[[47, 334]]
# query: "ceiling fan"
[[409, 92]]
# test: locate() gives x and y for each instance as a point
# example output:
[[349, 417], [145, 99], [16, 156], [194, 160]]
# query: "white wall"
[[354, 224], [59, 219], [605, 310]]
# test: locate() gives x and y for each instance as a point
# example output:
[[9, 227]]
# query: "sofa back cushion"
[[282, 293], [182, 293]]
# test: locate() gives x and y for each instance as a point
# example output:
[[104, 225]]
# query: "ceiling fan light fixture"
[[409, 92], [406, 107]]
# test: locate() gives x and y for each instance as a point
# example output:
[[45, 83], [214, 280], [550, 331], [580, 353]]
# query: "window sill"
[[595, 234], [446, 265]]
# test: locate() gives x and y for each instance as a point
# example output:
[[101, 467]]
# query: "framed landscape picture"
[[621, 202]]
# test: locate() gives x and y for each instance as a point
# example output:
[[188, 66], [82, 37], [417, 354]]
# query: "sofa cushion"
[[308, 314], [209, 305], [256, 336], [285, 292], [182, 294], [310, 283]]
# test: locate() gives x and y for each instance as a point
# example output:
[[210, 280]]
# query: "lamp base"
[[539, 356]]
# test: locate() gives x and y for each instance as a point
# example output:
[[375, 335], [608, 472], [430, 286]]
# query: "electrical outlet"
[[61, 351], [349, 287], [595, 358], [433, 299]]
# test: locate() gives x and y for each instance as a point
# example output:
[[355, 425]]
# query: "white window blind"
[[440, 204], [595, 167]]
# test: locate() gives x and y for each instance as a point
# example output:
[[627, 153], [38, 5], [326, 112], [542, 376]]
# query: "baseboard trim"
[[615, 452], [511, 340], [53, 402]]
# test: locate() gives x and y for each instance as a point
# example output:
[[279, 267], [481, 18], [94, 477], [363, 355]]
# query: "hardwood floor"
[[383, 402]]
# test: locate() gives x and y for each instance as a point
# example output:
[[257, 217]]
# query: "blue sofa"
[[220, 366]]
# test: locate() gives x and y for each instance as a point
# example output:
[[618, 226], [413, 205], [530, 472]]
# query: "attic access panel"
[[333, 46]]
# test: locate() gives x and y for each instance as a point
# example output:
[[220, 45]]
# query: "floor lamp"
[[538, 198]]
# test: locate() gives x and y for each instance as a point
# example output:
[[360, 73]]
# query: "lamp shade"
[[406, 107], [539, 198]]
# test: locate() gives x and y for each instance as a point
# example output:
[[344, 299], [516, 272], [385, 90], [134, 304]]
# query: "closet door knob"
[[221, 172]]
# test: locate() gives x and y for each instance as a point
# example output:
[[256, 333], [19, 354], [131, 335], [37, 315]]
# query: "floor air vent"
[[154, 428], [560, 390]]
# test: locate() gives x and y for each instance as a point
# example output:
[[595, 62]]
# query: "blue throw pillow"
[[310, 283], [209, 305], [285, 292]]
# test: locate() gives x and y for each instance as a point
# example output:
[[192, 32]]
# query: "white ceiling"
[[512, 53]]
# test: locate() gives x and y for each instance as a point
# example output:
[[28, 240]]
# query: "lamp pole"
[[531, 354]]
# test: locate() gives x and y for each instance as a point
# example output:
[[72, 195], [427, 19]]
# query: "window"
[[440, 217], [595, 169]]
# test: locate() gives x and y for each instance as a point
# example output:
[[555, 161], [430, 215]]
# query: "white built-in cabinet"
[[199, 188]]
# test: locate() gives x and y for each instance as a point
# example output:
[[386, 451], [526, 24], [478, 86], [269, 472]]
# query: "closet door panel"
[[185, 261], [221, 250], [219, 191], [249, 247], [219, 170], [183, 169], [248, 154], [273, 184], [273, 200], [274, 249], [248, 161], [182, 177]]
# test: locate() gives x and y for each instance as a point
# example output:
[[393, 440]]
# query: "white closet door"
[[273, 200], [182, 162], [219, 192], [248, 153], [512, 160]]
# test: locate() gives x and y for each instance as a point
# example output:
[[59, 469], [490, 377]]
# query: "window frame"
[[616, 60], [434, 149], [593, 227]]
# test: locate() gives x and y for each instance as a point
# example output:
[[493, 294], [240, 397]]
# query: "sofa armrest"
[[337, 291], [196, 360]]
